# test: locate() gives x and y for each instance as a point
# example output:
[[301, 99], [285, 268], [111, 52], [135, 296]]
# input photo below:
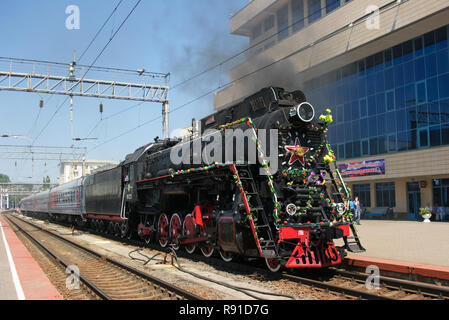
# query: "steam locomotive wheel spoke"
[[108, 228], [226, 256], [175, 230], [207, 251], [273, 264], [117, 229], [130, 234], [124, 229], [101, 226], [162, 228], [189, 231]]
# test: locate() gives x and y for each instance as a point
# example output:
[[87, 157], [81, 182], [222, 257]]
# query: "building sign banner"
[[364, 168]]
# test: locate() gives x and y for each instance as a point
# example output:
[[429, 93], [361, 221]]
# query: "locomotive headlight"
[[291, 209], [305, 112], [341, 208]]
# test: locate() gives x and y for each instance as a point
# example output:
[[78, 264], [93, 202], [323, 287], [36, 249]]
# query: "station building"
[[382, 67], [72, 170]]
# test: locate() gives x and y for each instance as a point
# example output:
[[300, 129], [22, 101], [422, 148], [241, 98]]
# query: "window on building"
[[441, 192], [282, 22], [385, 194], [268, 23], [435, 136], [423, 138], [331, 5], [297, 15], [356, 150], [365, 147], [256, 31], [314, 10], [363, 192], [402, 95]]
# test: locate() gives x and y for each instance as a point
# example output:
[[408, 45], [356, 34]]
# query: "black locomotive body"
[[257, 180], [290, 217]]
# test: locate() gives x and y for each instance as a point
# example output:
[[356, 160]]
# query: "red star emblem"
[[297, 152]]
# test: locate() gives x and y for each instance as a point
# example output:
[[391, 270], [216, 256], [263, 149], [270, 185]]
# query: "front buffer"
[[315, 247]]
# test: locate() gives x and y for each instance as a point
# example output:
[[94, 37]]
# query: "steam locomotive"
[[219, 189]]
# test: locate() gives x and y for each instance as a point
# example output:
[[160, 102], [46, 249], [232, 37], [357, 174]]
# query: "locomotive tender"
[[289, 216]]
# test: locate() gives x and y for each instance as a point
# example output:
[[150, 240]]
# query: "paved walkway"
[[408, 241], [9, 290], [21, 277]]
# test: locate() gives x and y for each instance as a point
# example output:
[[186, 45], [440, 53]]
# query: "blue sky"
[[182, 37]]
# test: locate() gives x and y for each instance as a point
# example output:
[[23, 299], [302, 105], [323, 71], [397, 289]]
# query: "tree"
[[4, 178], [46, 183]]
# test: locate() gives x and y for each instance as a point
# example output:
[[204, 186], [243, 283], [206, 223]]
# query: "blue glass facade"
[[392, 101]]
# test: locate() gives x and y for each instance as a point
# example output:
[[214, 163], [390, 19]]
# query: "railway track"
[[398, 288], [104, 277], [335, 281], [353, 284]]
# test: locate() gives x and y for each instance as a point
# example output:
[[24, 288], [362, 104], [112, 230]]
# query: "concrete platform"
[[21, 277], [405, 247]]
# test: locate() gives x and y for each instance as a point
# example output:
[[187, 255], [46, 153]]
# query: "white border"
[[15, 277]]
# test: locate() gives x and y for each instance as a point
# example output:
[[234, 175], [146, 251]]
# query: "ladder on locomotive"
[[355, 245], [266, 239]]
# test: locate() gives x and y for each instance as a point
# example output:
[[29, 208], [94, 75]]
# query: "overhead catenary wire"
[[91, 65], [110, 40], [38, 114], [51, 119], [35, 122], [194, 77], [358, 21], [113, 115], [104, 48], [150, 121], [99, 31], [64, 66], [220, 64], [325, 37]]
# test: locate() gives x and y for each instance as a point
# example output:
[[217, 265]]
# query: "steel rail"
[[159, 282], [421, 288], [103, 295], [327, 286], [307, 281]]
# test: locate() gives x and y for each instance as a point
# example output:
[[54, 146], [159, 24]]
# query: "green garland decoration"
[[300, 175], [200, 169], [270, 182]]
